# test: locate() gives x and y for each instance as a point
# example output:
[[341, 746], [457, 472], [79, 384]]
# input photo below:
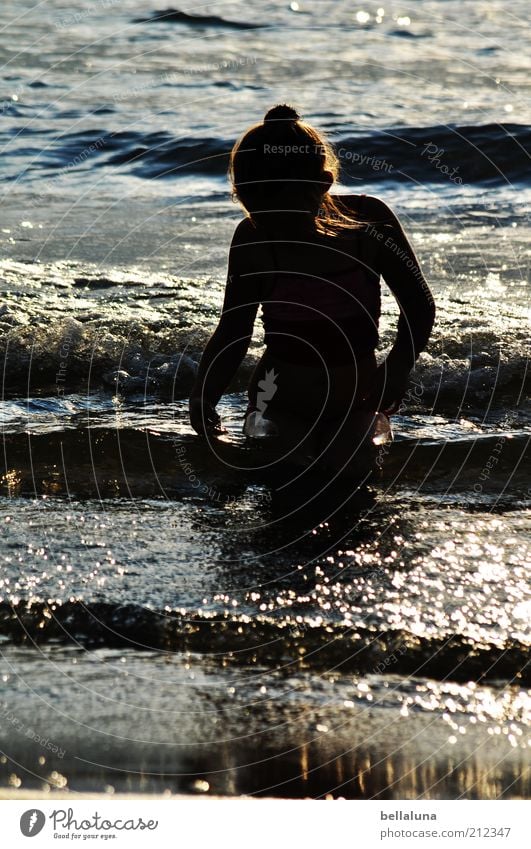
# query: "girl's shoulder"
[[248, 250], [368, 208], [245, 233]]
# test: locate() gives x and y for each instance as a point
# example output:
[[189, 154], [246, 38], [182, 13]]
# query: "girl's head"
[[284, 164]]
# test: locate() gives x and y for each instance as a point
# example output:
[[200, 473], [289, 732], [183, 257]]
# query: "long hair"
[[280, 164]]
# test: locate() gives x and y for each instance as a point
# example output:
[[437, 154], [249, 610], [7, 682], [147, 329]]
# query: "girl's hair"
[[280, 164]]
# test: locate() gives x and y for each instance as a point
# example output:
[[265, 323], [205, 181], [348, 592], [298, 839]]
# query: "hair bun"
[[282, 112]]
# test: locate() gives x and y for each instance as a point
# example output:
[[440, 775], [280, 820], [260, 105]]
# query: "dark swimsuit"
[[307, 317], [331, 319], [318, 330]]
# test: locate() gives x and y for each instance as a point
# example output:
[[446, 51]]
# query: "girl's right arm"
[[401, 271]]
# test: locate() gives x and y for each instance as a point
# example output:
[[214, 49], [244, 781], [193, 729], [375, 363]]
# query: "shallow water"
[[175, 723], [177, 618]]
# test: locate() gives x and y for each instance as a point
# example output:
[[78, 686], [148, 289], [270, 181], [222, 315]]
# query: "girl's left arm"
[[229, 343]]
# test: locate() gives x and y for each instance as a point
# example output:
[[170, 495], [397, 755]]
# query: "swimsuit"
[[331, 317], [321, 332], [310, 319], [320, 335]]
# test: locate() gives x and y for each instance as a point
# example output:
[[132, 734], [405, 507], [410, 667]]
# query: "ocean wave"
[[86, 455], [162, 360], [174, 16], [491, 153], [140, 333], [69, 355], [260, 639]]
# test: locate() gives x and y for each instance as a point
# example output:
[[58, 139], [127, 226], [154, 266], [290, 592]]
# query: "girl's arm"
[[401, 271], [228, 345]]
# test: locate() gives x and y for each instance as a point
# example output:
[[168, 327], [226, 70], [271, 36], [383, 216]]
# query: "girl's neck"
[[287, 220]]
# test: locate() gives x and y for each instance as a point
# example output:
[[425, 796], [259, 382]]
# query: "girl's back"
[[320, 292]]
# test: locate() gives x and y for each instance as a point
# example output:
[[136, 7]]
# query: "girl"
[[313, 261]]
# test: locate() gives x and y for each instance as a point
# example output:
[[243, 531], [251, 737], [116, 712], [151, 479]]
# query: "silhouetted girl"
[[313, 262]]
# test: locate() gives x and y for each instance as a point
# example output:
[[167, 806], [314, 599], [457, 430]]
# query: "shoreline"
[[14, 795]]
